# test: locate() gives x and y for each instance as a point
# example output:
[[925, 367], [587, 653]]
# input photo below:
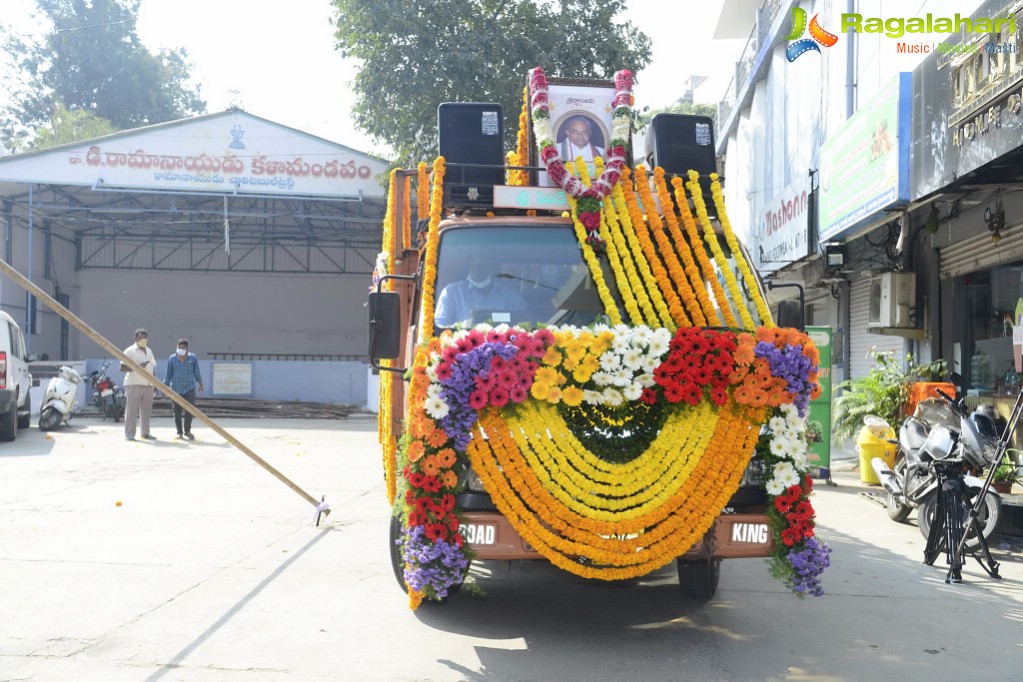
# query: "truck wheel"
[[49, 419], [25, 420], [9, 423], [397, 533], [699, 579]]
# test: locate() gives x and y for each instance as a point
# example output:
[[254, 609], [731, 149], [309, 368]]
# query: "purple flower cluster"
[[456, 389], [808, 564], [792, 366], [432, 566]]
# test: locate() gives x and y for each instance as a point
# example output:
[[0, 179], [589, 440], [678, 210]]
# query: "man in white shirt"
[[138, 390], [477, 292], [577, 141]]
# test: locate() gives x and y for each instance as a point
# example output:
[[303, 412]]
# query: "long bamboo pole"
[[77, 323]]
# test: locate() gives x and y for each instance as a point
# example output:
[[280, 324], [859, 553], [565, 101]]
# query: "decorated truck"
[[578, 364]]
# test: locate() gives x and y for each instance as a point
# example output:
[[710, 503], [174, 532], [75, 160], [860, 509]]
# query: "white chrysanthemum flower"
[[433, 390], [786, 474], [646, 380], [779, 448], [613, 397], [791, 413], [610, 362], [777, 425], [602, 378], [622, 377], [774, 487], [431, 373], [650, 363], [800, 461], [641, 336], [658, 346], [599, 329], [436, 408], [632, 391], [632, 359], [592, 397]]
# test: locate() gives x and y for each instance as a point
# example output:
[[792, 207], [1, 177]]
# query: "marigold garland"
[[715, 248], [406, 214], [702, 302], [432, 245], [678, 285], [662, 281], [697, 246], [751, 282], [593, 263]]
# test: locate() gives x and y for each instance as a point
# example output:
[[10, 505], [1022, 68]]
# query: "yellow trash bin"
[[872, 442]]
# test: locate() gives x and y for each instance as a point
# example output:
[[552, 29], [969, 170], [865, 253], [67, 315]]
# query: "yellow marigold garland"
[[702, 306], [661, 278], [645, 284], [751, 282], [593, 263], [697, 245], [406, 214], [520, 157], [715, 247], [678, 283], [422, 192], [617, 553], [432, 244]]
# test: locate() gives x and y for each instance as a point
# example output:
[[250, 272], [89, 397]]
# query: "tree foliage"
[[417, 54], [690, 108], [91, 60], [70, 126]]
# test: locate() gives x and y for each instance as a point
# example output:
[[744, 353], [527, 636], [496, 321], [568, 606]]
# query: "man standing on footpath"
[[138, 391], [184, 377]]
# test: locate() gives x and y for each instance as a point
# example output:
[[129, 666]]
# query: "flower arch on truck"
[[693, 375]]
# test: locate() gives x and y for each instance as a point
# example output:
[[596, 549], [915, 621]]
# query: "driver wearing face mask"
[[479, 291]]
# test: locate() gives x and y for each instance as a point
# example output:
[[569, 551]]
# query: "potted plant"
[[1006, 473], [882, 392]]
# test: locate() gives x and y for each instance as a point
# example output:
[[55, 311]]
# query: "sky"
[[277, 60]]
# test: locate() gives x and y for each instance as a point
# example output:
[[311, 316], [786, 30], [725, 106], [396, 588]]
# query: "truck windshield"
[[513, 275]]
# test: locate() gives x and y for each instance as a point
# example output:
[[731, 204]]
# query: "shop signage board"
[[782, 227], [865, 164], [818, 432]]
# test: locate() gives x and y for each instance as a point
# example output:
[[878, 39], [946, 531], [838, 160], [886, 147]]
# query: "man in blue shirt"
[[184, 377]]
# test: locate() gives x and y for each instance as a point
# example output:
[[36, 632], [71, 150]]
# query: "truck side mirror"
[[790, 314], [384, 325]]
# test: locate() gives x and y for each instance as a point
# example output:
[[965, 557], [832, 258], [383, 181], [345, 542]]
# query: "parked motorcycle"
[[912, 483], [60, 399], [107, 397]]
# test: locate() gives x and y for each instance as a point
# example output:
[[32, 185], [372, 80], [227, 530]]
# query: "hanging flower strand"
[[588, 199]]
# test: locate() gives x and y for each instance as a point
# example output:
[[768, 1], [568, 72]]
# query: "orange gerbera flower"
[[430, 466], [448, 479], [446, 458], [416, 450], [437, 439]]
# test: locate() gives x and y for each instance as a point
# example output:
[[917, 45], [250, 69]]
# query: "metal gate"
[[860, 339]]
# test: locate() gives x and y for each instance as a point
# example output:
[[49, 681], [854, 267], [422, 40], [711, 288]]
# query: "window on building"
[[988, 304]]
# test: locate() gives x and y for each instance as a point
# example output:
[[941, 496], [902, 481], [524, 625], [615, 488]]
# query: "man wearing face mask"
[[478, 291], [138, 390], [184, 377]]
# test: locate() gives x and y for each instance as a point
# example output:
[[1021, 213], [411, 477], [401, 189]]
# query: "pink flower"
[[443, 371], [517, 394], [477, 400], [499, 397]]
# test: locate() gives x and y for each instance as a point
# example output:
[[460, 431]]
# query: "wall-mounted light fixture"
[[933, 218], [995, 220], [834, 255]]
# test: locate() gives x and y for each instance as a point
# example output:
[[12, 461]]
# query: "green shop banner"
[[818, 431]]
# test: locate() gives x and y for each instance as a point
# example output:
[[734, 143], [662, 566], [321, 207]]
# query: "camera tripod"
[[953, 519], [955, 522]]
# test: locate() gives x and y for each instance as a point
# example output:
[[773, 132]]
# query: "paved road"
[[210, 569]]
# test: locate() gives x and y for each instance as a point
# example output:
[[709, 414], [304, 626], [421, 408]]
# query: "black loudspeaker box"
[[679, 143], [471, 133]]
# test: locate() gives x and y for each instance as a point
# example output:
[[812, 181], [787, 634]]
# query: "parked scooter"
[[107, 397], [913, 481], [60, 399]]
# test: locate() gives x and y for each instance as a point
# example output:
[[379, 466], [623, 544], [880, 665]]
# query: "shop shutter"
[[979, 253], [860, 339]]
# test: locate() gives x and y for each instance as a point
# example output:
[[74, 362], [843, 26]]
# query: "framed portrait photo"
[[580, 110]]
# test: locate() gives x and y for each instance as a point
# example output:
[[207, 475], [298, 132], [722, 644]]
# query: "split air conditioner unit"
[[892, 299]]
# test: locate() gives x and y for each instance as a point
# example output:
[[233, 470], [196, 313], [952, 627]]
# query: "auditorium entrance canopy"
[[226, 192]]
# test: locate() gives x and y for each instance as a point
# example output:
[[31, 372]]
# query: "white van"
[[15, 380]]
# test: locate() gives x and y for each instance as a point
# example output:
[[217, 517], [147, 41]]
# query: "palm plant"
[[883, 392]]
